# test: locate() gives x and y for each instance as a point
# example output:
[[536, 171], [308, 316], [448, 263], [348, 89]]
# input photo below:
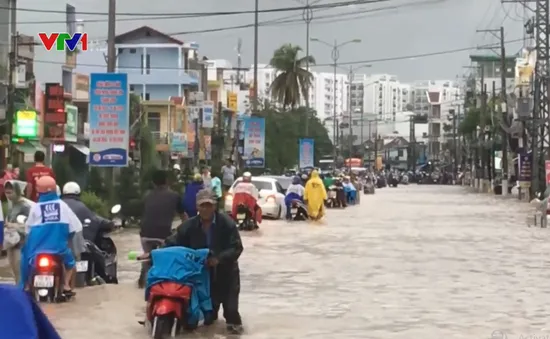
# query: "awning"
[[82, 149], [29, 148]]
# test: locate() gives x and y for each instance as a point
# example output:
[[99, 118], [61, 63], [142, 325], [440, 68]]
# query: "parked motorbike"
[[98, 263], [405, 179], [298, 211], [381, 181], [245, 220]]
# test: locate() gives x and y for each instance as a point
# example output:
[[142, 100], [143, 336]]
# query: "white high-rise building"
[[322, 95], [379, 94], [449, 94]]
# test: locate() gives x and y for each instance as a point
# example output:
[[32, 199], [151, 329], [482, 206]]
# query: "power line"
[[209, 14], [403, 57]]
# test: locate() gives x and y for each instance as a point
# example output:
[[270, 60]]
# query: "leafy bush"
[[95, 203], [96, 184], [63, 171]]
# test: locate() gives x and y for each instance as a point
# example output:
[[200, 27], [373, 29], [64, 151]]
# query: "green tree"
[[293, 80], [63, 171], [282, 135]]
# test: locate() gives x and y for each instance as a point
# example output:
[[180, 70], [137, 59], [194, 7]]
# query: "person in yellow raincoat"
[[315, 196]]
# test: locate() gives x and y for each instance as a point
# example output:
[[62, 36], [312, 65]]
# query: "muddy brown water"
[[410, 262]]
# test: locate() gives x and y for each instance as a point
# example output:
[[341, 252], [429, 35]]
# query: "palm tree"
[[293, 80]]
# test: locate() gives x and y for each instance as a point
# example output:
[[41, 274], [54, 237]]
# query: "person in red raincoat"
[[247, 194]]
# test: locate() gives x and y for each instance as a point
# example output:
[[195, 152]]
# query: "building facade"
[[379, 94], [157, 64]]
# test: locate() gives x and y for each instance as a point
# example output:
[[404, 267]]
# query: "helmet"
[[46, 184], [197, 177], [71, 188], [177, 167], [247, 176], [304, 176]]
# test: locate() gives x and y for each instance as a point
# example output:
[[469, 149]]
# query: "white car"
[[272, 197]]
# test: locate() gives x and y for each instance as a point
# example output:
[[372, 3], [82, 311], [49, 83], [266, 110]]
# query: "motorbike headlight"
[[229, 197]]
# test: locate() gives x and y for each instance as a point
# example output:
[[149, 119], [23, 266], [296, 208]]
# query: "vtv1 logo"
[[62, 40]]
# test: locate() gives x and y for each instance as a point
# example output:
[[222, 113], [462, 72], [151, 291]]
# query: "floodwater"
[[409, 262]]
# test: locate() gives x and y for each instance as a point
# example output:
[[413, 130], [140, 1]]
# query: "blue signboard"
[[109, 120], [306, 153], [254, 142]]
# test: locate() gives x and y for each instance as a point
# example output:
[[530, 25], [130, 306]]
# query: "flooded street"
[[412, 262]]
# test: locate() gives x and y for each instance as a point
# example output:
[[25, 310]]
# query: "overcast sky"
[[412, 27]]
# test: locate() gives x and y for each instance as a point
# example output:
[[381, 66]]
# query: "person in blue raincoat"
[[51, 226], [189, 200], [295, 191], [21, 317]]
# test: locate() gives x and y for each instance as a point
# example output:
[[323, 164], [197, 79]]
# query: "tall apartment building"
[[449, 93], [380, 94], [321, 96]]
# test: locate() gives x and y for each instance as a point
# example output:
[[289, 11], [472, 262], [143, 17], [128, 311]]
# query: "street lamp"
[[335, 55], [352, 70]]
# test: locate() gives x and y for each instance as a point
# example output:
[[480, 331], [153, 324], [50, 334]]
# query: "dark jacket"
[[226, 243], [97, 225], [160, 207]]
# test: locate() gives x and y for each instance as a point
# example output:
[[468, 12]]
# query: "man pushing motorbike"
[[217, 232]]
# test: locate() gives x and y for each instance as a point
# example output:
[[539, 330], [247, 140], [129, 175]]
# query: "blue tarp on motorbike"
[[187, 267], [21, 317]]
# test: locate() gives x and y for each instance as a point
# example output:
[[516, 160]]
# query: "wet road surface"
[[411, 262]]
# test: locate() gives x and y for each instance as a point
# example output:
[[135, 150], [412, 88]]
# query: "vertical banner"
[[254, 142], [525, 167], [71, 126], [306, 153], [232, 102], [208, 147], [208, 114], [179, 143], [191, 139], [109, 119]]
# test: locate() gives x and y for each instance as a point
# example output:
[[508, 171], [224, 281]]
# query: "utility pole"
[[307, 15], [239, 61], [111, 68], [482, 138], [504, 108], [350, 120], [255, 82], [10, 111], [412, 144]]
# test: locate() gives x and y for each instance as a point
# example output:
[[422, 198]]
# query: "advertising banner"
[[306, 153], [547, 167], [208, 114], [109, 119], [525, 167], [254, 142], [71, 127], [190, 139], [26, 124], [179, 143]]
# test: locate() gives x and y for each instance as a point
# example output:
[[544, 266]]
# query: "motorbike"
[[381, 181], [405, 179], [245, 220], [332, 197], [298, 211], [393, 181], [46, 276], [167, 306], [102, 252]]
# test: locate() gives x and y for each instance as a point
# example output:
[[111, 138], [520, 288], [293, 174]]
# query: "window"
[[132, 88], [280, 188], [400, 153], [153, 121], [148, 64], [133, 51], [263, 185], [147, 96]]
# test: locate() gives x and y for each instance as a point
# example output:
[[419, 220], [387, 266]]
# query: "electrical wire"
[[210, 14], [371, 61]]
